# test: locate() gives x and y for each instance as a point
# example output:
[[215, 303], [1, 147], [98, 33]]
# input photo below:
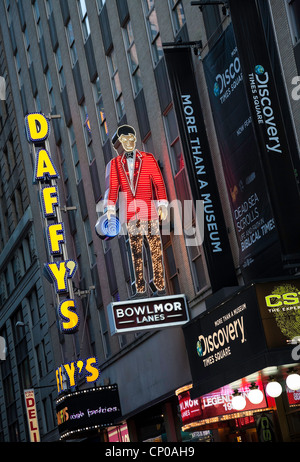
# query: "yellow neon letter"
[[56, 236], [37, 127], [57, 272], [70, 370], [50, 199], [70, 319], [44, 166], [93, 370]]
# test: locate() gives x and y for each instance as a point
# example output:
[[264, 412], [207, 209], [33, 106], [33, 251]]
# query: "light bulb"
[[293, 381], [238, 402], [255, 396], [274, 389]]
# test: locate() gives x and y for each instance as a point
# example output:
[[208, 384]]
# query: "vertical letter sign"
[[32, 416], [60, 269], [199, 166], [269, 125]]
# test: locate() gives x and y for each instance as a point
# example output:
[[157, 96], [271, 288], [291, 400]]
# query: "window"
[[87, 132], [132, 58], [172, 270], [75, 156], [174, 144], [60, 70], [49, 7], [85, 25], [37, 18], [33, 303], [293, 7], [100, 4], [50, 89], [71, 42], [100, 110], [27, 46], [89, 240], [153, 30], [8, 12], [104, 333], [21, 349], [37, 103], [18, 69], [116, 84], [178, 17], [197, 267]]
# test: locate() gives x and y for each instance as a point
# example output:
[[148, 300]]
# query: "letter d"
[[37, 127]]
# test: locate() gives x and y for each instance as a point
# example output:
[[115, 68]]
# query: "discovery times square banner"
[[250, 204]]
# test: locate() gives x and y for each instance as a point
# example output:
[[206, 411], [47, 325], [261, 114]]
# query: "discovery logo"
[[2, 89], [217, 345], [227, 81], [259, 82]]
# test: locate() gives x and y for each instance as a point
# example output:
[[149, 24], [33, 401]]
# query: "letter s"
[[290, 298], [69, 318], [91, 367]]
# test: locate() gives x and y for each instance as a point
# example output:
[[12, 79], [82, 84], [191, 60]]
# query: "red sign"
[[216, 403], [118, 434], [32, 416], [293, 397], [190, 408], [219, 402]]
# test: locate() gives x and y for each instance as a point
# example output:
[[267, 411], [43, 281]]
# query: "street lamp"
[[238, 401], [274, 389], [293, 381], [255, 395]]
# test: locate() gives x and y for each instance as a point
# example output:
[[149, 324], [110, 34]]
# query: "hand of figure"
[[162, 212], [109, 214]]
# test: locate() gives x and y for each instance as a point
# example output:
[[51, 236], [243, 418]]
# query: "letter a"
[[37, 127], [44, 166]]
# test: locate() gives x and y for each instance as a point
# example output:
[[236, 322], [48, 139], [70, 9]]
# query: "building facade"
[[91, 66]]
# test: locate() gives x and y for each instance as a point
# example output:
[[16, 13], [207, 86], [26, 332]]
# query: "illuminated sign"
[[68, 374], [45, 173], [106, 228], [148, 313], [32, 416], [137, 176], [87, 410], [279, 303], [60, 269], [215, 404]]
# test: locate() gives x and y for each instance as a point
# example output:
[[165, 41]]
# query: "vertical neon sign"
[[60, 269], [46, 174]]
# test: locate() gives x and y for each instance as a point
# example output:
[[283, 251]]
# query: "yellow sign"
[[67, 374], [45, 172]]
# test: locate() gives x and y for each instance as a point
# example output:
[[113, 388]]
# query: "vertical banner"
[[269, 126], [33, 425], [198, 161], [247, 190]]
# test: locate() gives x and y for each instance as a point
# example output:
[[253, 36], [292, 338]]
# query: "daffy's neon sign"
[[45, 173]]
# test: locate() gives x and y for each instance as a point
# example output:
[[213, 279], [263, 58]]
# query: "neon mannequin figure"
[[137, 174]]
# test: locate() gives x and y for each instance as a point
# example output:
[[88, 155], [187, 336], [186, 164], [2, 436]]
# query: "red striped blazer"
[[146, 187]]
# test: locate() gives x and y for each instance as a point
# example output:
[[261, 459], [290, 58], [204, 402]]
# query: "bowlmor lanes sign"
[[148, 313]]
